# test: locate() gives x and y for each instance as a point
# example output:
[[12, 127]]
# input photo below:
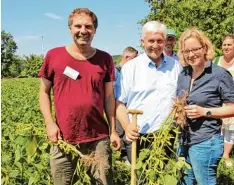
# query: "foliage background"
[[215, 18]]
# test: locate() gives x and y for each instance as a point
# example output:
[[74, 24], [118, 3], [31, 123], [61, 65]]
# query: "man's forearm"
[[45, 107], [121, 114], [110, 112]]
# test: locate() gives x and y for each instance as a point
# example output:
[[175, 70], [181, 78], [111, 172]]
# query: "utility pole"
[[106, 49]]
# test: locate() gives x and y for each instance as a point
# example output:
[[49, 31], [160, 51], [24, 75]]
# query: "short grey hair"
[[155, 27]]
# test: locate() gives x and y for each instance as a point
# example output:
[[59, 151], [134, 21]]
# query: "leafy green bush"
[[225, 174]]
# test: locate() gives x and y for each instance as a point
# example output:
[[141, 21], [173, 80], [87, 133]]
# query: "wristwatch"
[[208, 113]]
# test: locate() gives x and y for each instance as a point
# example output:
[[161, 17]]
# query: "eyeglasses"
[[194, 51]]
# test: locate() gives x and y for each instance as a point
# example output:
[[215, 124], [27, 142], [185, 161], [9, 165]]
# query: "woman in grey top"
[[208, 87]]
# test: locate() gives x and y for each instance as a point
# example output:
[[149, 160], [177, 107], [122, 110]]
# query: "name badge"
[[71, 73]]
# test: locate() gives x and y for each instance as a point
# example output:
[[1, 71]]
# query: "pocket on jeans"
[[179, 150], [54, 150], [106, 140], [217, 137]]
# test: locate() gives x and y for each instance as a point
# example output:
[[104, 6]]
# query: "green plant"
[[25, 153], [154, 166], [225, 174], [25, 148]]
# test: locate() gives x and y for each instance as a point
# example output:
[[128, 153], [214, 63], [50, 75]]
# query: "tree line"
[[13, 65], [215, 18]]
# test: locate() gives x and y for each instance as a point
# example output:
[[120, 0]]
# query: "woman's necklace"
[[228, 64]]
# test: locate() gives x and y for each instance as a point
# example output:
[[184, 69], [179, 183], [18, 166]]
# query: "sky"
[[40, 25]]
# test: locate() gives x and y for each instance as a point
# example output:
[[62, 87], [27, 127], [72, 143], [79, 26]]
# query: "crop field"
[[25, 148]]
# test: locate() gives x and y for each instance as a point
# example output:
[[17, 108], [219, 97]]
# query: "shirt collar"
[[208, 66], [119, 65], [174, 53], [150, 62]]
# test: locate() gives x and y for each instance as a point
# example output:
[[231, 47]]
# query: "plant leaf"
[[170, 180], [31, 148]]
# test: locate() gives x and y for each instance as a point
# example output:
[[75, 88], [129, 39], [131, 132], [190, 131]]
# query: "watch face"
[[208, 113]]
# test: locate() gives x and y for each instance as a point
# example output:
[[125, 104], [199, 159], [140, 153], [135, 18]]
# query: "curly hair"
[[85, 11], [200, 36]]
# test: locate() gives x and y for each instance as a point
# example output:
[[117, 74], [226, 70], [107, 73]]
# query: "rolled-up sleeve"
[[116, 83], [227, 87], [125, 83]]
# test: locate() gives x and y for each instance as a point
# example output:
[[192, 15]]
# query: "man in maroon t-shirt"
[[82, 81]]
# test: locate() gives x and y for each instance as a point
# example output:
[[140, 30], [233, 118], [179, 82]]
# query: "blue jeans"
[[203, 158]]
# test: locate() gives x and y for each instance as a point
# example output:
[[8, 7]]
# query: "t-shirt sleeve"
[[46, 70], [227, 87], [110, 75]]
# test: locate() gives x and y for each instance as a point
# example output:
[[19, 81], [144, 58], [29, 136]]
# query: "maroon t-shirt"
[[79, 104]]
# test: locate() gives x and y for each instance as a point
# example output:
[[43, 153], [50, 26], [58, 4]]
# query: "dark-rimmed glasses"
[[194, 51]]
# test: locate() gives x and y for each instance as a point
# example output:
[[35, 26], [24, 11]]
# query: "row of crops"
[[25, 148]]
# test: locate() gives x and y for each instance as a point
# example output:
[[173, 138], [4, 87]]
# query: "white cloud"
[[53, 16], [27, 38]]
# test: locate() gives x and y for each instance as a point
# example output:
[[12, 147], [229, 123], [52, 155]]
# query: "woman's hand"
[[194, 111]]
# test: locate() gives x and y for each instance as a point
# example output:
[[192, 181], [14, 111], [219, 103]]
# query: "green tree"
[[31, 65], [16, 66], [215, 18], [8, 49], [117, 58]]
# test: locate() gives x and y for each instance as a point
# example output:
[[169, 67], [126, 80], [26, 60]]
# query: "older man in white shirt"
[[148, 83]]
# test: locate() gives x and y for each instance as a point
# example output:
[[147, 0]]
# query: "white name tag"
[[71, 73]]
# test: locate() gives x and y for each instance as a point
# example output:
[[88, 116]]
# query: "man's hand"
[[115, 141], [53, 132], [131, 132], [194, 111]]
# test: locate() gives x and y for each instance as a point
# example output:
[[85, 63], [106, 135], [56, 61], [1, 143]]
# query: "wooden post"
[[134, 146]]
